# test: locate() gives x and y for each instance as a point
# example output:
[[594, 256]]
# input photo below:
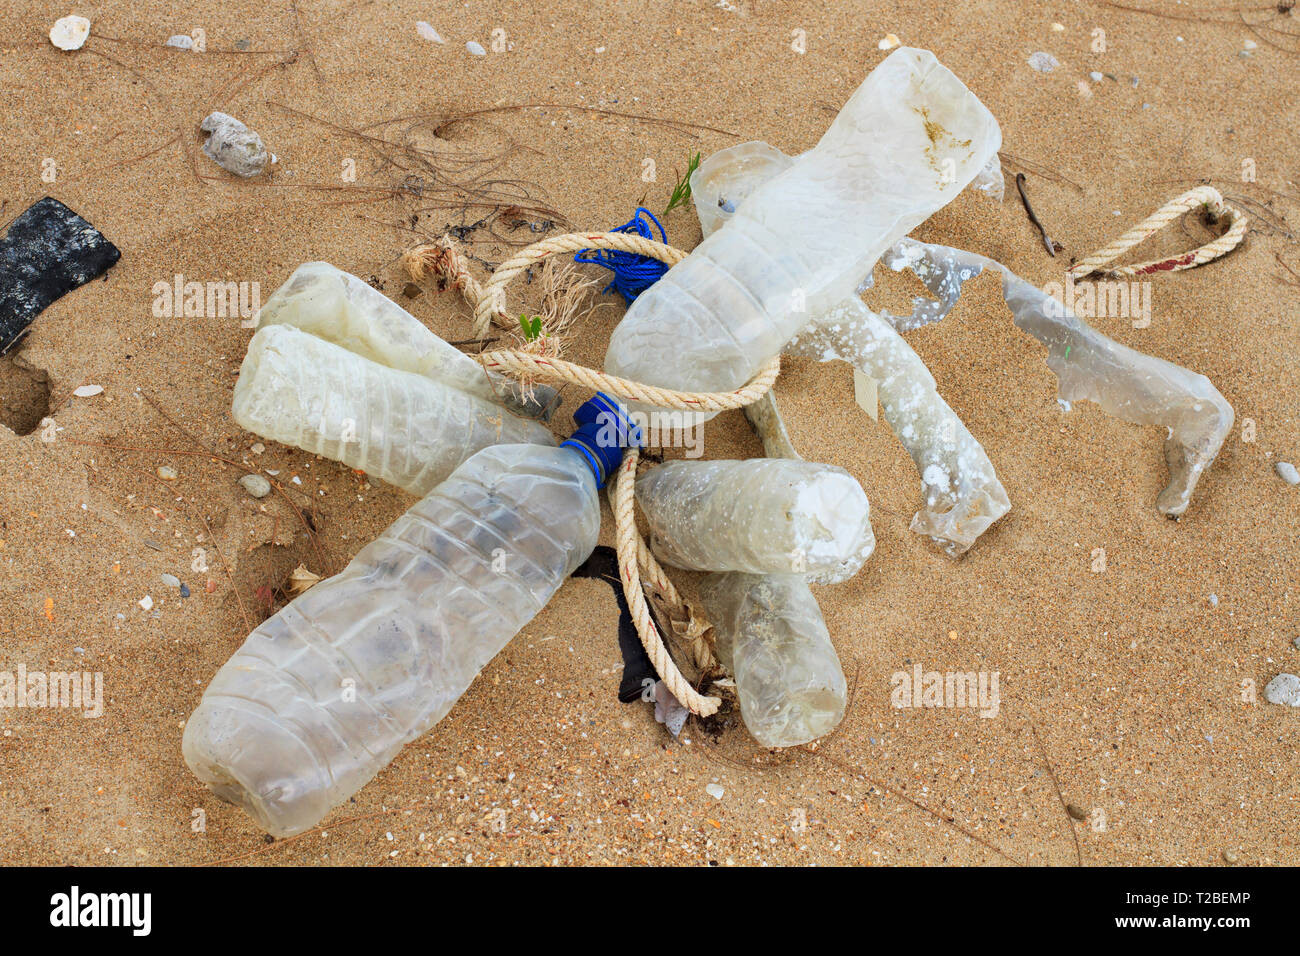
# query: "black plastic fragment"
[[48, 251], [603, 564]]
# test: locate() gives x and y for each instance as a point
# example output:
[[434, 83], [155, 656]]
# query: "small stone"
[[412, 291], [180, 41], [1043, 62], [427, 32], [889, 42], [87, 391], [256, 485], [146, 603], [475, 48], [1287, 472], [1076, 811], [257, 448], [1296, 642], [1058, 27], [167, 473], [1214, 600], [185, 590], [1250, 44], [714, 791], [1095, 76], [1284, 689], [1229, 856], [242, 45], [232, 145], [70, 33], [171, 580]]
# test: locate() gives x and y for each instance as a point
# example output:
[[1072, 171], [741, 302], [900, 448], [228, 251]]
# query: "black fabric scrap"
[[48, 251], [603, 564]]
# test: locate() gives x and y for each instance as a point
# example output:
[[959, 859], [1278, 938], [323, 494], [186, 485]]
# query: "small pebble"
[[256, 485], [475, 48], [233, 146], [87, 391], [185, 590], [181, 41], [889, 42], [1095, 76], [146, 602], [1043, 62], [70, 33], [1076, 811], [714, 791], [257, 448], [242, 45], [1296, 642], [167, 473], [1283, 689], [1058, 27], [1287, 472], [171, 580], [1229, 856], [1214, 600]]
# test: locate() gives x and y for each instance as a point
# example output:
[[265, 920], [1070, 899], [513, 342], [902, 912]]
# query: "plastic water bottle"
[[761, 516], [408, 429], [338, 307], [324, 694], [907, 142], [772, 640]]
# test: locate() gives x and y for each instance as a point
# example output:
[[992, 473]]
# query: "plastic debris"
[[771, 637], [406, 627], [762, 516], [301, 580], [180, 41], [48, 251], [913, 135], [233, 146], [70, 33], [668, 710]]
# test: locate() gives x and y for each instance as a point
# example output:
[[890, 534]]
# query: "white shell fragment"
[[1284, 689], [475, 48], [70, 33], [1043, 62], [181, 41], [427, 32], [233, 146], [87, 391]]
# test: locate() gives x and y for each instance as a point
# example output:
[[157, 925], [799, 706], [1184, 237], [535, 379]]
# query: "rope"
[[633, 274], [1205, 196], [488, 301]]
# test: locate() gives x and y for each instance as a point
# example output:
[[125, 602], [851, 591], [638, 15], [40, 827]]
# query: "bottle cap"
[[604, 430]]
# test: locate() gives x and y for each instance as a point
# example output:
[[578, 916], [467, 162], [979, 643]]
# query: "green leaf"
[[682, 191]]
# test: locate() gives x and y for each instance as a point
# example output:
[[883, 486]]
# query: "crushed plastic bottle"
[[324, 694], [762, 516], [771, 638], [906, 143], [404, 428], [961, 491]]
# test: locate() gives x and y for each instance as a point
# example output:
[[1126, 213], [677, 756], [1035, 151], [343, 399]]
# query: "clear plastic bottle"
[[407, 429], [324, 694], [906, 143], [772, 640], [762, 516]]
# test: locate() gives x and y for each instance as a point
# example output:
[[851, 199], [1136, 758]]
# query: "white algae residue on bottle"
[[773, 641], [407, 429], [905, 144], [763, 516], [324, 694]]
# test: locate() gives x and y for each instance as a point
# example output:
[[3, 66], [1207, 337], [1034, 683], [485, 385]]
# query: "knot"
[[633, 273]]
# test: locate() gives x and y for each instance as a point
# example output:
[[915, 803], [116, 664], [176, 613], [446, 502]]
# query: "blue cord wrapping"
[[633, 274]]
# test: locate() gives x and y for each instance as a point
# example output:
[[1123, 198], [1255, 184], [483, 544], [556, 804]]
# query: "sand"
[[1127, 684]]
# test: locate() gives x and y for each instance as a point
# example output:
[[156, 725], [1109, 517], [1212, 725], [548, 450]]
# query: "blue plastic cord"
[[633, 274]]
